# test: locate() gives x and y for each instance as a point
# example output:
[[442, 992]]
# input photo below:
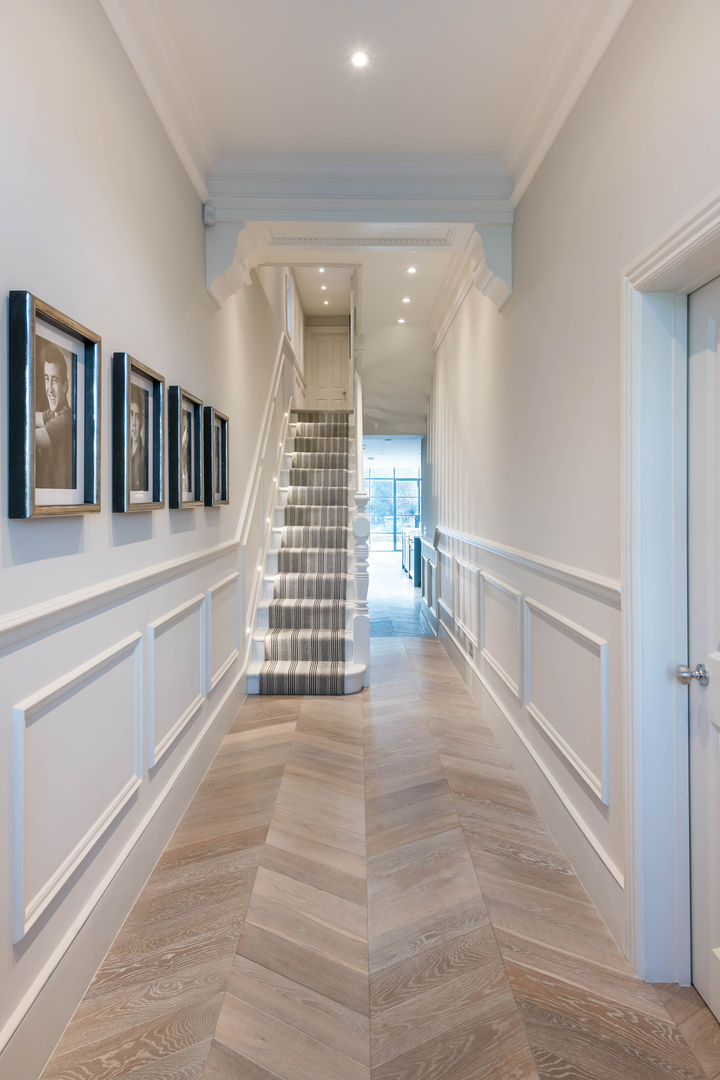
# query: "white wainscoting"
[[502, 630], [91, 719], [223, 632], [176, 674], [566, 677], [467, 613], [85, 795], [555, 664]]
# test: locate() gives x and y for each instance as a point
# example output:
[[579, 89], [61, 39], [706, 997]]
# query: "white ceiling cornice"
[[360, 187], [549, 107], [142, 35]]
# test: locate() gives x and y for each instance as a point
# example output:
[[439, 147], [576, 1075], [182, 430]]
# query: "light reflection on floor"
[[394, 603]]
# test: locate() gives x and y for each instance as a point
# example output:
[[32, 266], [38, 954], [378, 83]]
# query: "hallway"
[[394, 603], [361, 887]]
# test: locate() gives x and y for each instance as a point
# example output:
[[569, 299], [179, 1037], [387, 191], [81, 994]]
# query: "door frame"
[[654, 577]]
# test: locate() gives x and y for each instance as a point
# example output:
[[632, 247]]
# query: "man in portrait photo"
[[138, 442], [186, 451], [54, 424], [218, 477]]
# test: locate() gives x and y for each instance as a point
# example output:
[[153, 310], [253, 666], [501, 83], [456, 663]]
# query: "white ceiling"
[[273, 76], [454, 113], [324, 282]]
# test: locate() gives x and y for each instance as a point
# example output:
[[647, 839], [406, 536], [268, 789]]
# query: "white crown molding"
[[380, 242], [164, 83], [537, 132], [360, 187], [463, 168]]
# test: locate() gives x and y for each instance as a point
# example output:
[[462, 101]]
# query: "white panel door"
[[704, 636], [327, 370]]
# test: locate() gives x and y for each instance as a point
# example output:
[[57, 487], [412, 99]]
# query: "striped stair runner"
[[303, 643]]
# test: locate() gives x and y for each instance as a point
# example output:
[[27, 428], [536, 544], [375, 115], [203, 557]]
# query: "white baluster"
[[361, 618]]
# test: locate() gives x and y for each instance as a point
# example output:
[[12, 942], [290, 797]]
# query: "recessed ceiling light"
[[406, 299], [323, 288], [360, 59], [412, 270], [401, 320], [321, 269]]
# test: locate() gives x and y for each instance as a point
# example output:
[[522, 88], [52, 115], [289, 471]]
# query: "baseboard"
[[68, 975]]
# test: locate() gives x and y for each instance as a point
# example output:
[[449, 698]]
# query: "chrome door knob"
[[686, 675]]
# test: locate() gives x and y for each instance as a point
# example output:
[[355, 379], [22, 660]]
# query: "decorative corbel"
[[490, 252], [229, 250]]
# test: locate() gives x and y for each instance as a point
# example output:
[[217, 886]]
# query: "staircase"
[[303, 643]]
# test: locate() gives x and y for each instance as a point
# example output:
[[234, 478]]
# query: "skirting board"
[[603, 886], [71, 969]]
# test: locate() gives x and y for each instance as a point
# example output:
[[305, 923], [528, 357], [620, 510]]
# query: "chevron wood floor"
[[362, 889]]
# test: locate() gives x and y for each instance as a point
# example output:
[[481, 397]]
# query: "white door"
[[704, 636], [327, 369]]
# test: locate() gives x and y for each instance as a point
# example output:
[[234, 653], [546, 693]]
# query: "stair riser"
[[338, 623], [260, 651], [285, 561]]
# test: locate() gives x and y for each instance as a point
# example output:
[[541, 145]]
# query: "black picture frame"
[[53, 425], [138, 459], [217, 461], [185, 449]]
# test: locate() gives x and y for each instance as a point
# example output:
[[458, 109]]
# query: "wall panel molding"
[[608, 590], [597, 647], [39, 618], [64, 945], [39, 706], [514, 685], [163, 625], [214, 677], [557, 788]]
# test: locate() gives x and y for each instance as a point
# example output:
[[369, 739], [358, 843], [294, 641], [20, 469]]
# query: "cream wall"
[[98, 219], [525, 446]]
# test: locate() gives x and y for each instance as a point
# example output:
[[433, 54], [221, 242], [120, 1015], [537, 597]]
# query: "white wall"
[[272, 279], [98, 219], [525, 435], [395, 365]]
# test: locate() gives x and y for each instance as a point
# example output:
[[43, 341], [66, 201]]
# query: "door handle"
[[686, 675]]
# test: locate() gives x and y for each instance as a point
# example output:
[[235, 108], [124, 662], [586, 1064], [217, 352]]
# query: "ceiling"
[[383, 453], [443, 129], [324, 289], [273, 76]]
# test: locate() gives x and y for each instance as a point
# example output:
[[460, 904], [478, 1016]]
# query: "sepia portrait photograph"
[[53, 392], [185, 449], [55, 414], [138, 396], [216, 457], [139, 438]]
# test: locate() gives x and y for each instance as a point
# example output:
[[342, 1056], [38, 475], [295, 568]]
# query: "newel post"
[[361, 618]]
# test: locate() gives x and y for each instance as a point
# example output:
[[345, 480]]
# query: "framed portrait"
[[217, 488], [138, 399], [185, 449], [54, 412]]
